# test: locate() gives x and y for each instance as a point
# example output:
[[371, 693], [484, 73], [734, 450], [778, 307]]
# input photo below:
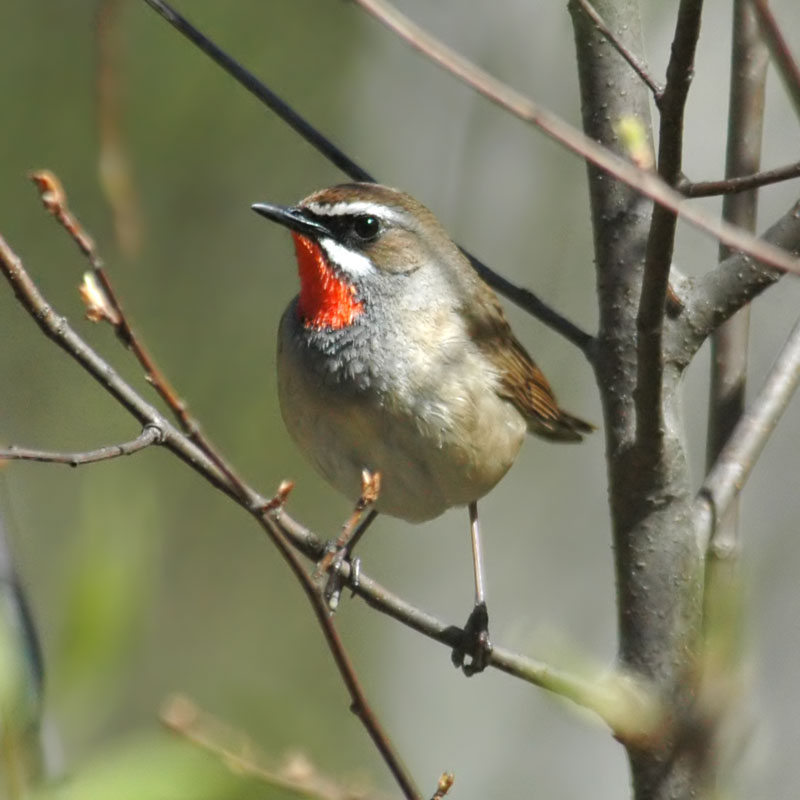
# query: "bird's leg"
[[475, 643], [477, 555], [352, 531]]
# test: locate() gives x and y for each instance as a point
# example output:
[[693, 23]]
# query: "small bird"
[[396, 358]]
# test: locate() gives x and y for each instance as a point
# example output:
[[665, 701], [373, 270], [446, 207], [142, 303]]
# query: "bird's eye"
[[366, 227]]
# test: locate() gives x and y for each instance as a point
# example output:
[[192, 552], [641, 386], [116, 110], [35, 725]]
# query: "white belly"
[[443, 444]]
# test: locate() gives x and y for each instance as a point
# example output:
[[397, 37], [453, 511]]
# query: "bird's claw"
[[331, 564], [472, 654]]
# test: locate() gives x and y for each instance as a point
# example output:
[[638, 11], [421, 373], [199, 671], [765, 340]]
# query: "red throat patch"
[[326, 301]]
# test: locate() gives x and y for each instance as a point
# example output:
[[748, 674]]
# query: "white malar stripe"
[[354, 207], [354, 264]]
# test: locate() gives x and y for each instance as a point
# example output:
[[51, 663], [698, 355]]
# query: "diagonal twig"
[[181, 716], [779, 49], [103, 304], [733, 466], [570, 137], [729, 343], [635, 63], [661, 237]]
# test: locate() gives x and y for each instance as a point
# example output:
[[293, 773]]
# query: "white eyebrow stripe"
[[354, 264], [354, 207]]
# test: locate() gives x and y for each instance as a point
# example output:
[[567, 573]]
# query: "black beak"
[[294, 219]]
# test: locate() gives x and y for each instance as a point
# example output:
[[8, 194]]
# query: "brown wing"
[[521, 381]]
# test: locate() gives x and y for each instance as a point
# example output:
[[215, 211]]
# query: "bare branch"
[[661, 239], [636, 64], [570, 137], [779, 50], [149, 436], [719, 293], [729, 343], [181, 716], [104, 305], [359, 704], [743, 183], [59, 331], [732, 468], [627, 706]]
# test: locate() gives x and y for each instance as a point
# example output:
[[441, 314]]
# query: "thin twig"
[[298, 124], [722, 675], [729, 343], [732, 468], [636, 64], [570, 137], [56, 328], [149, 436], [661, 238], [522, 297], [359, 704], [528, 301], [181, 716], [626, 705], [779, 50], [743, 183], [103, 304], [579, 690]]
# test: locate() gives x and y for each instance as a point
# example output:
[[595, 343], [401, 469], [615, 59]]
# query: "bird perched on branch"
[[396, 358]]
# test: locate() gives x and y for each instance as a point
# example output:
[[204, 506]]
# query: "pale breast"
[[440, 436]]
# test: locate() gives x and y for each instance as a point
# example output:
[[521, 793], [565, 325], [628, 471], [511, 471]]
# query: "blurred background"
[[145, 582]]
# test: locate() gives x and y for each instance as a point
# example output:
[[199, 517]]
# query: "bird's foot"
[[471, 655], [332, 565], [338, 552]]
